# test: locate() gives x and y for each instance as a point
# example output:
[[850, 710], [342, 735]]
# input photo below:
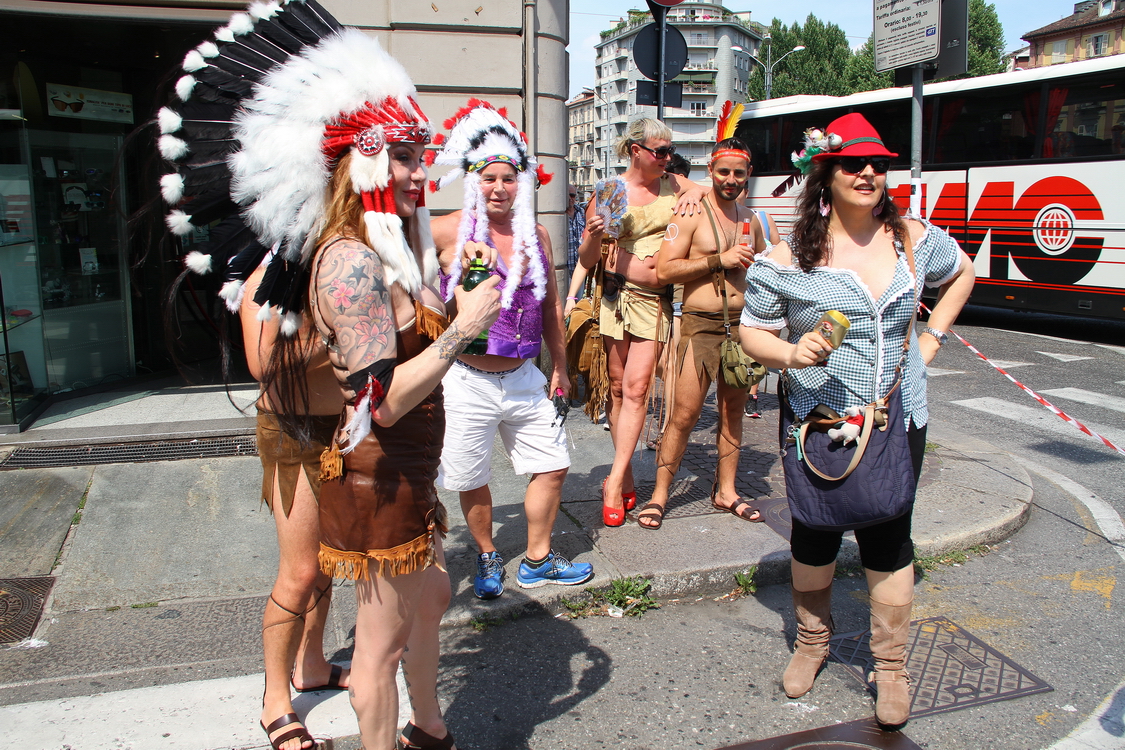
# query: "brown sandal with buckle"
[[414, 738], [652, 512], [301, 732]]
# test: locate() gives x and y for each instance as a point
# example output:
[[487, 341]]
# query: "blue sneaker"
[[557, 569], [489, 581]]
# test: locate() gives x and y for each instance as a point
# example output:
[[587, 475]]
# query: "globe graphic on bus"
[[1054, 229]]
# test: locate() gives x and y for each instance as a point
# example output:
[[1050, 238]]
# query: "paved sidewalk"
[[189, 535]]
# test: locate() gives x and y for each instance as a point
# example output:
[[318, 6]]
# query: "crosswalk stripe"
[[1064, 357], [1008, 365], [200, 715], [1118, 349], [934, 372], [1036, 417], [1088, 397]]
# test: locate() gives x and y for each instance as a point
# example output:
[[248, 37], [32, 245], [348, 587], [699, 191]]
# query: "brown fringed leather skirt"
[[704, 331], [381, 516], [282, 454]]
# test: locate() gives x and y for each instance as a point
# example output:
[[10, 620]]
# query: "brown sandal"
[[332, 684], [413, 738], [738, 508], [301, 732], [652, 512]]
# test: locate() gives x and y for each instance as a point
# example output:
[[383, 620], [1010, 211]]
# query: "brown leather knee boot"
[[890, 630], [814, 628]]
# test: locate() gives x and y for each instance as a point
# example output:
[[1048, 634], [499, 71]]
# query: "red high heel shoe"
[[629, 499], [611, 516]]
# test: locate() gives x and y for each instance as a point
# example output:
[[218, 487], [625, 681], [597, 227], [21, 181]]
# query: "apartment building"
[[82, 296], [581, 135], [1093, 30], [720, 43]]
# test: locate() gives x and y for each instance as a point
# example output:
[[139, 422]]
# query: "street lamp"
[[769, 64]]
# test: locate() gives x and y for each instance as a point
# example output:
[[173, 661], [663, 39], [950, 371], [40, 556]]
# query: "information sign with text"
[[906, 32]]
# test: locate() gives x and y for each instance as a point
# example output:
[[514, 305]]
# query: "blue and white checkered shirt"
[[863, 368], [575, 225]]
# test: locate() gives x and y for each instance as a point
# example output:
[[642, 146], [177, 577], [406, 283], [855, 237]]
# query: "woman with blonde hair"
[[636, 311]]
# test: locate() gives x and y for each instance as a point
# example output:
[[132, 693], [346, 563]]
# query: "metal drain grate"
[[126, 453], [855, 735], [950, 668], [21, 604]]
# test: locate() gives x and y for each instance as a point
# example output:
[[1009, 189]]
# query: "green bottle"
[[477, 273]]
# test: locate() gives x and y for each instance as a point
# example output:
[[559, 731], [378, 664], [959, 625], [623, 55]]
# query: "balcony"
[[709, 65]]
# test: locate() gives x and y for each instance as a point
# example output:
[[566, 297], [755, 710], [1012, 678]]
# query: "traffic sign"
[[646, 52], [953, 60], [906, 32], [673, 93]]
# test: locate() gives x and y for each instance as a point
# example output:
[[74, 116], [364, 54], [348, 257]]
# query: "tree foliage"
[[827, 65], [820, 68]]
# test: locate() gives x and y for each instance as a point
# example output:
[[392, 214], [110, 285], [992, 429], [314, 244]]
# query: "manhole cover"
[[856, 735], [21, 604], [949, 667]]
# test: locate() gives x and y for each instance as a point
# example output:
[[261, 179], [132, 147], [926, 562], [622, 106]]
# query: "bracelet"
[[714, 263], [573, 298]]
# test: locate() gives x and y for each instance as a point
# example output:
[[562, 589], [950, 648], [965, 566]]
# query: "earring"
[[825, 208], [880, 205]]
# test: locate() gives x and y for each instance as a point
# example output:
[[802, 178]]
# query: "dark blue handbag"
[[837, 487]]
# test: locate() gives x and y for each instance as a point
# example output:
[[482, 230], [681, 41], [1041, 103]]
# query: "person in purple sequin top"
[[503, 391]]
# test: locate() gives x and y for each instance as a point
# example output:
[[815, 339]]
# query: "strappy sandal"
[[332, 684], [738, 508], [651, 512], [413, 738], [301, 732]]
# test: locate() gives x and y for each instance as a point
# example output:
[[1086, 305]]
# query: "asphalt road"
[[706, 673]]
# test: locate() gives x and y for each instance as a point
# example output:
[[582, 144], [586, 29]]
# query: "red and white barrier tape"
[[1059, 412]]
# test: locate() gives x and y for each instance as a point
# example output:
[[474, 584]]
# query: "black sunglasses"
[[855, 164], [660, 153]]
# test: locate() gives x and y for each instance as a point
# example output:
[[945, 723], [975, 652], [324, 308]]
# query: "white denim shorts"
[[479, 405]]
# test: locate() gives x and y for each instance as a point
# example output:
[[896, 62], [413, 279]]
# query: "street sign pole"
[[662, 12], [916, 145], [907, 34]]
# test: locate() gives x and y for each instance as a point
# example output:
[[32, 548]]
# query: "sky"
[[588, 17]]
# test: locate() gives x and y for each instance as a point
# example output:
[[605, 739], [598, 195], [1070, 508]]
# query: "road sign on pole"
[[906, 32], [660, 52], [953, 60]]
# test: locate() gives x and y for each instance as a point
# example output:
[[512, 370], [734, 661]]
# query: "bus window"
[[1085, 119], [983, 126]]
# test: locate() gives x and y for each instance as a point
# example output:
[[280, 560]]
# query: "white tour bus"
[[1025, 169]]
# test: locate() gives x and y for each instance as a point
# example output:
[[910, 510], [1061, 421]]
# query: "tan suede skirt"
[[282, 456]]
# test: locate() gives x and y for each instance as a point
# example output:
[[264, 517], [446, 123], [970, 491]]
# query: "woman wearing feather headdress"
[[319, 176], [501, 390]]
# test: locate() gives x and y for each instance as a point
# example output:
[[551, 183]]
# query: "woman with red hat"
[[851, 252]]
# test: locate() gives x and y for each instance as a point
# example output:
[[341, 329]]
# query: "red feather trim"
[[439, 138], [433, 186], [429, 157], [544, 176]]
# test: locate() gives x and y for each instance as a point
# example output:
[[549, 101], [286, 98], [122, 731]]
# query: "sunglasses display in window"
[[61, 105], [856, 164], [662, 152]]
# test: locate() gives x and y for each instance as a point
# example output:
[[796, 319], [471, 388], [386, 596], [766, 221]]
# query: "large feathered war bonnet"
[[262, 115], [480, 135]]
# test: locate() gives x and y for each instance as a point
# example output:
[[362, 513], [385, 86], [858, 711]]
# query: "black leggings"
[[884, 547]]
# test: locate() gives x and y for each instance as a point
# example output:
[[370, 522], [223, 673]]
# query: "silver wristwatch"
[[941, 336]]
